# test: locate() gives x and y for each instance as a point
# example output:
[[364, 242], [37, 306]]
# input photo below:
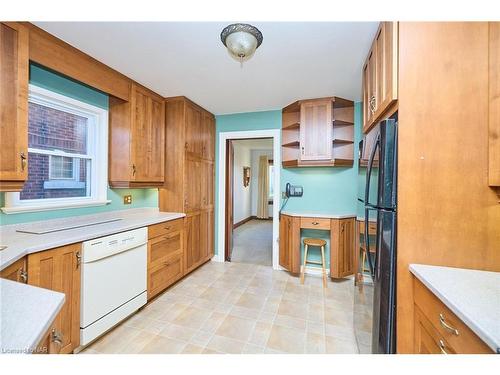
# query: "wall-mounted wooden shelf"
[[325, 125]]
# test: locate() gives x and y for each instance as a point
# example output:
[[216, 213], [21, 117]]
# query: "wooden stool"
[[319, 243]]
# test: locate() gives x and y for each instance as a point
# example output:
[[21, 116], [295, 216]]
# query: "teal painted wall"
[[42, 77], [332, 190]]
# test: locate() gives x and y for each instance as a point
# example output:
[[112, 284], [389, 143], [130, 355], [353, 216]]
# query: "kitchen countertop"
[[20, 244], [320, 215], [26, 315], [473, 295]]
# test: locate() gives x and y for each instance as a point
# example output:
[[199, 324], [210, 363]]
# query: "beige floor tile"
[[225, 345], [315, 327], [192, 317], [293, 309], [163, 345], [89, 351], [260, 333], [286, 339], [251, 301], [338, 317], [316, 312], [215, 294], [342, 331], [252, 349], [201, 338], [223, 307], [155, 326], [177, 332], [243, 312], [266, 316], [233, 297], [210, 351], [138, 343], [173, 313], [315, 343], [237, 328], [192, 349], [288, 321], [339, 346], [115, 340], [213, 322]]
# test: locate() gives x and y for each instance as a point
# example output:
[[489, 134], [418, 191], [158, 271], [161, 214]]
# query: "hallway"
[[253, 243]]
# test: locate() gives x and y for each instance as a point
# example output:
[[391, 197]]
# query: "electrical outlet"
[[127, 199]]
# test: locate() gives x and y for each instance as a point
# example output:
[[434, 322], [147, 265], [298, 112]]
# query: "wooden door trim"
[[229, 199]]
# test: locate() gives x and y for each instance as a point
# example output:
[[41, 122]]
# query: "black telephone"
[[293, 191]]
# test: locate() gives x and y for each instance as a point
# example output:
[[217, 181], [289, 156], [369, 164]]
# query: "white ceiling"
[[295, 60]]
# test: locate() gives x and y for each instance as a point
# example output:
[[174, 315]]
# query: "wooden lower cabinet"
[[342, 251], [17, 271], [59, 270], [199, 238], [289, 257], [437, 330]]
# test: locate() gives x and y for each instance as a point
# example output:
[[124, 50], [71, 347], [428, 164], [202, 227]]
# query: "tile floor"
[[240, 308], [253, 243]]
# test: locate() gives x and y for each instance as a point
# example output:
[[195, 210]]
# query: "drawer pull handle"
[[167, 228], [315, 223], [442, 347], [446, 326]]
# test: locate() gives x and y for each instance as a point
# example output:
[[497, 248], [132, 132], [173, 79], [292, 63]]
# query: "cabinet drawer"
[[162, 247], [165, 228], [314, 223], [165, 274], [463, 341]]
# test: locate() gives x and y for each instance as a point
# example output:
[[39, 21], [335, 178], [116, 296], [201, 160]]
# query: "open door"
[[229, 199]]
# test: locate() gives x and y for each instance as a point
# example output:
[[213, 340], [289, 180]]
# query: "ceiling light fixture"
[[241, 40]]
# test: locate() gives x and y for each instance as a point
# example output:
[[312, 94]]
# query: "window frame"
[[97, 152]]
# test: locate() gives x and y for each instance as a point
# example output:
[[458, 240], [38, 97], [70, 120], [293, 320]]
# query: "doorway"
[[249, 201], [254, 234]]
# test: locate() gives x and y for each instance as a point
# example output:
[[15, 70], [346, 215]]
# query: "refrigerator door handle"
[[369, 169], [367, 245]]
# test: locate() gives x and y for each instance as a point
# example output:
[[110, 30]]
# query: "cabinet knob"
[[78, 259], [23, 276], [442, 347], [372, 104], [56, 337], [315, 223], [24, 161], [133, 169]]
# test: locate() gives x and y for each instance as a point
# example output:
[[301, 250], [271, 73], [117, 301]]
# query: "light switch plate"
[[127, 199]]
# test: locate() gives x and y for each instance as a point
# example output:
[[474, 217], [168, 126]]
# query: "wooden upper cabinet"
[[137, 139], [194, 136], [494, 105], [59, 270], [208, 136], [316, 125], [14, 71], [380, 75]]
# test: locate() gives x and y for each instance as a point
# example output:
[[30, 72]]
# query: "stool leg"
[[323, 265], [303, 270]]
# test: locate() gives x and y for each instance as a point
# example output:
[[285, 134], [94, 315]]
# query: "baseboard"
[[239, 223], [253, 217]]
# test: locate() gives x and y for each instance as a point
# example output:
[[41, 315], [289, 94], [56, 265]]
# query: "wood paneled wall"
[[447, 214]]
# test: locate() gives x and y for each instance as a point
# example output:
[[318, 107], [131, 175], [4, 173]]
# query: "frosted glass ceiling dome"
[[241, 40]]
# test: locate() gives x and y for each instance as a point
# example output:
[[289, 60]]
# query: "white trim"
[[223, 137], [97, 150]]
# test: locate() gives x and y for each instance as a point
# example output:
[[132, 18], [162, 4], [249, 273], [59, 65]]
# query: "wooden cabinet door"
[[370, 81], [207, 184], [193, 143], [208, 136], [59, 270], [192, 185], [192, 233], [147, 137], [284, 258], [342, 251], [16, 271], [316, 128], [386, 43], [204, 234], [494, 105], [13, 106]]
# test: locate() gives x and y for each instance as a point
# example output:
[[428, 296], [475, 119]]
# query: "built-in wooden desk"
[[343, 257]]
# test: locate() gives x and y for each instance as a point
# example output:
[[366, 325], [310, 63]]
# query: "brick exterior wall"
[[50, 129]]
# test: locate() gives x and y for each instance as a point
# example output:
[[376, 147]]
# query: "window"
[[271, 181], [67, 154]]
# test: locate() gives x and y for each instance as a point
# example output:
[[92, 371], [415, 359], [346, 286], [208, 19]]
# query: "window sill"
[[57, 206]]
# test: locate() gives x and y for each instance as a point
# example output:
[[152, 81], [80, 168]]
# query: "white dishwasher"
[[114, 281]]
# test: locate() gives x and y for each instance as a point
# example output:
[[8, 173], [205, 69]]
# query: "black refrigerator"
[[378, 197]]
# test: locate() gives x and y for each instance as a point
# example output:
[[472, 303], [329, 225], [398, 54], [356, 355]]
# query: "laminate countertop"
[[26, 315], [319, 215], [473, 295], [18, 244]]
